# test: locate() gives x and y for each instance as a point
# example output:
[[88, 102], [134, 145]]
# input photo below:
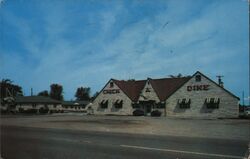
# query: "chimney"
[[220, 81]]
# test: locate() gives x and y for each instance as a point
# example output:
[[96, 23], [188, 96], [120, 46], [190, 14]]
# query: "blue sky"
[[87, 42]]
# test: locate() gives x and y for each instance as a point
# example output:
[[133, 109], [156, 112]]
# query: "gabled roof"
[[167, 86], [163, 87], [131, 88], [198, 72], [36, 99]]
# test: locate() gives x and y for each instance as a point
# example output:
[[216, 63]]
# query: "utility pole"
[[243, 98], [31, 91]]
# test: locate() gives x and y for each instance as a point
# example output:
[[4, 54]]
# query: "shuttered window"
[[184, 103], [104, 104], [212, 103]]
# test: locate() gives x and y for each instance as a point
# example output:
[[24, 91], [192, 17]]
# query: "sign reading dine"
[[111, 91], [198, 88]]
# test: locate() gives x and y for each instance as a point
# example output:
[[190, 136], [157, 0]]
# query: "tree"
[[176, 76], [94, 96], [56, 91], [44, 93], [82, 93], [8, 89]]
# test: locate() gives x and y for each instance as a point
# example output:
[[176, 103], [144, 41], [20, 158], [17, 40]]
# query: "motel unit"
[[75, 106], [37, 103]]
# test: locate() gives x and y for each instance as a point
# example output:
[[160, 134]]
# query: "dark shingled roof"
[[163, 87], [36, 99], [167, 86], [131, 88]]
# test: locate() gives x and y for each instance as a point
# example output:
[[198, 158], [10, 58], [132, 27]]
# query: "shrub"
[[43, 110], [30, 111], [156, 113], [138, 112], [4, 111], [21, 110]]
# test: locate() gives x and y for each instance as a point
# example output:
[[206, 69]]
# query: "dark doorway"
[[148, 109], [147, 106]]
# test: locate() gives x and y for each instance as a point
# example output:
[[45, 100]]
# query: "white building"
[[75, 106], [37, 103], [194, 96]]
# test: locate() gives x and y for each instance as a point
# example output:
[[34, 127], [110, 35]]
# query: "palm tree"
[[8, 89]]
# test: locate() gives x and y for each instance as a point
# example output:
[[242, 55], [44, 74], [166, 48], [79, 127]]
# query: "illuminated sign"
[[111, 91], [198, 88]]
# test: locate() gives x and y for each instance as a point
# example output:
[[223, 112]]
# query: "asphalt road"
[[40, 143]]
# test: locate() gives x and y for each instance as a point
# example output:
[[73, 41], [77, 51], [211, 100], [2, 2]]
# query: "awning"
[[104, 101], [215, 100], [188, 101], [118, 101], [207, 100], [184, 101]]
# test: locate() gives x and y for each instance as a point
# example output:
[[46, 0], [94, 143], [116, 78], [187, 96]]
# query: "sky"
[[87, 42]]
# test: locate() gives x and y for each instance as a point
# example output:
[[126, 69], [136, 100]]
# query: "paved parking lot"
[[213, 128]]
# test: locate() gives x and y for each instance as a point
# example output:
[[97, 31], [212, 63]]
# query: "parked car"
[[138, 112], [156, 113], [245, 112]]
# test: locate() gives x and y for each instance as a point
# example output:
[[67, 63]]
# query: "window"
[[147, 90], [118, 104], [55, 105], [135, 105], [184, 103], [212, 103], [111, 84], [198, 78], [104, 104], [160, 105], [33, 105]]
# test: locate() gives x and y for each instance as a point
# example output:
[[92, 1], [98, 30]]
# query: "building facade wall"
[[112, 94], [148, 93], [228, 106], [38, 106], [74, 108], [29, 106], [55, 107]]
